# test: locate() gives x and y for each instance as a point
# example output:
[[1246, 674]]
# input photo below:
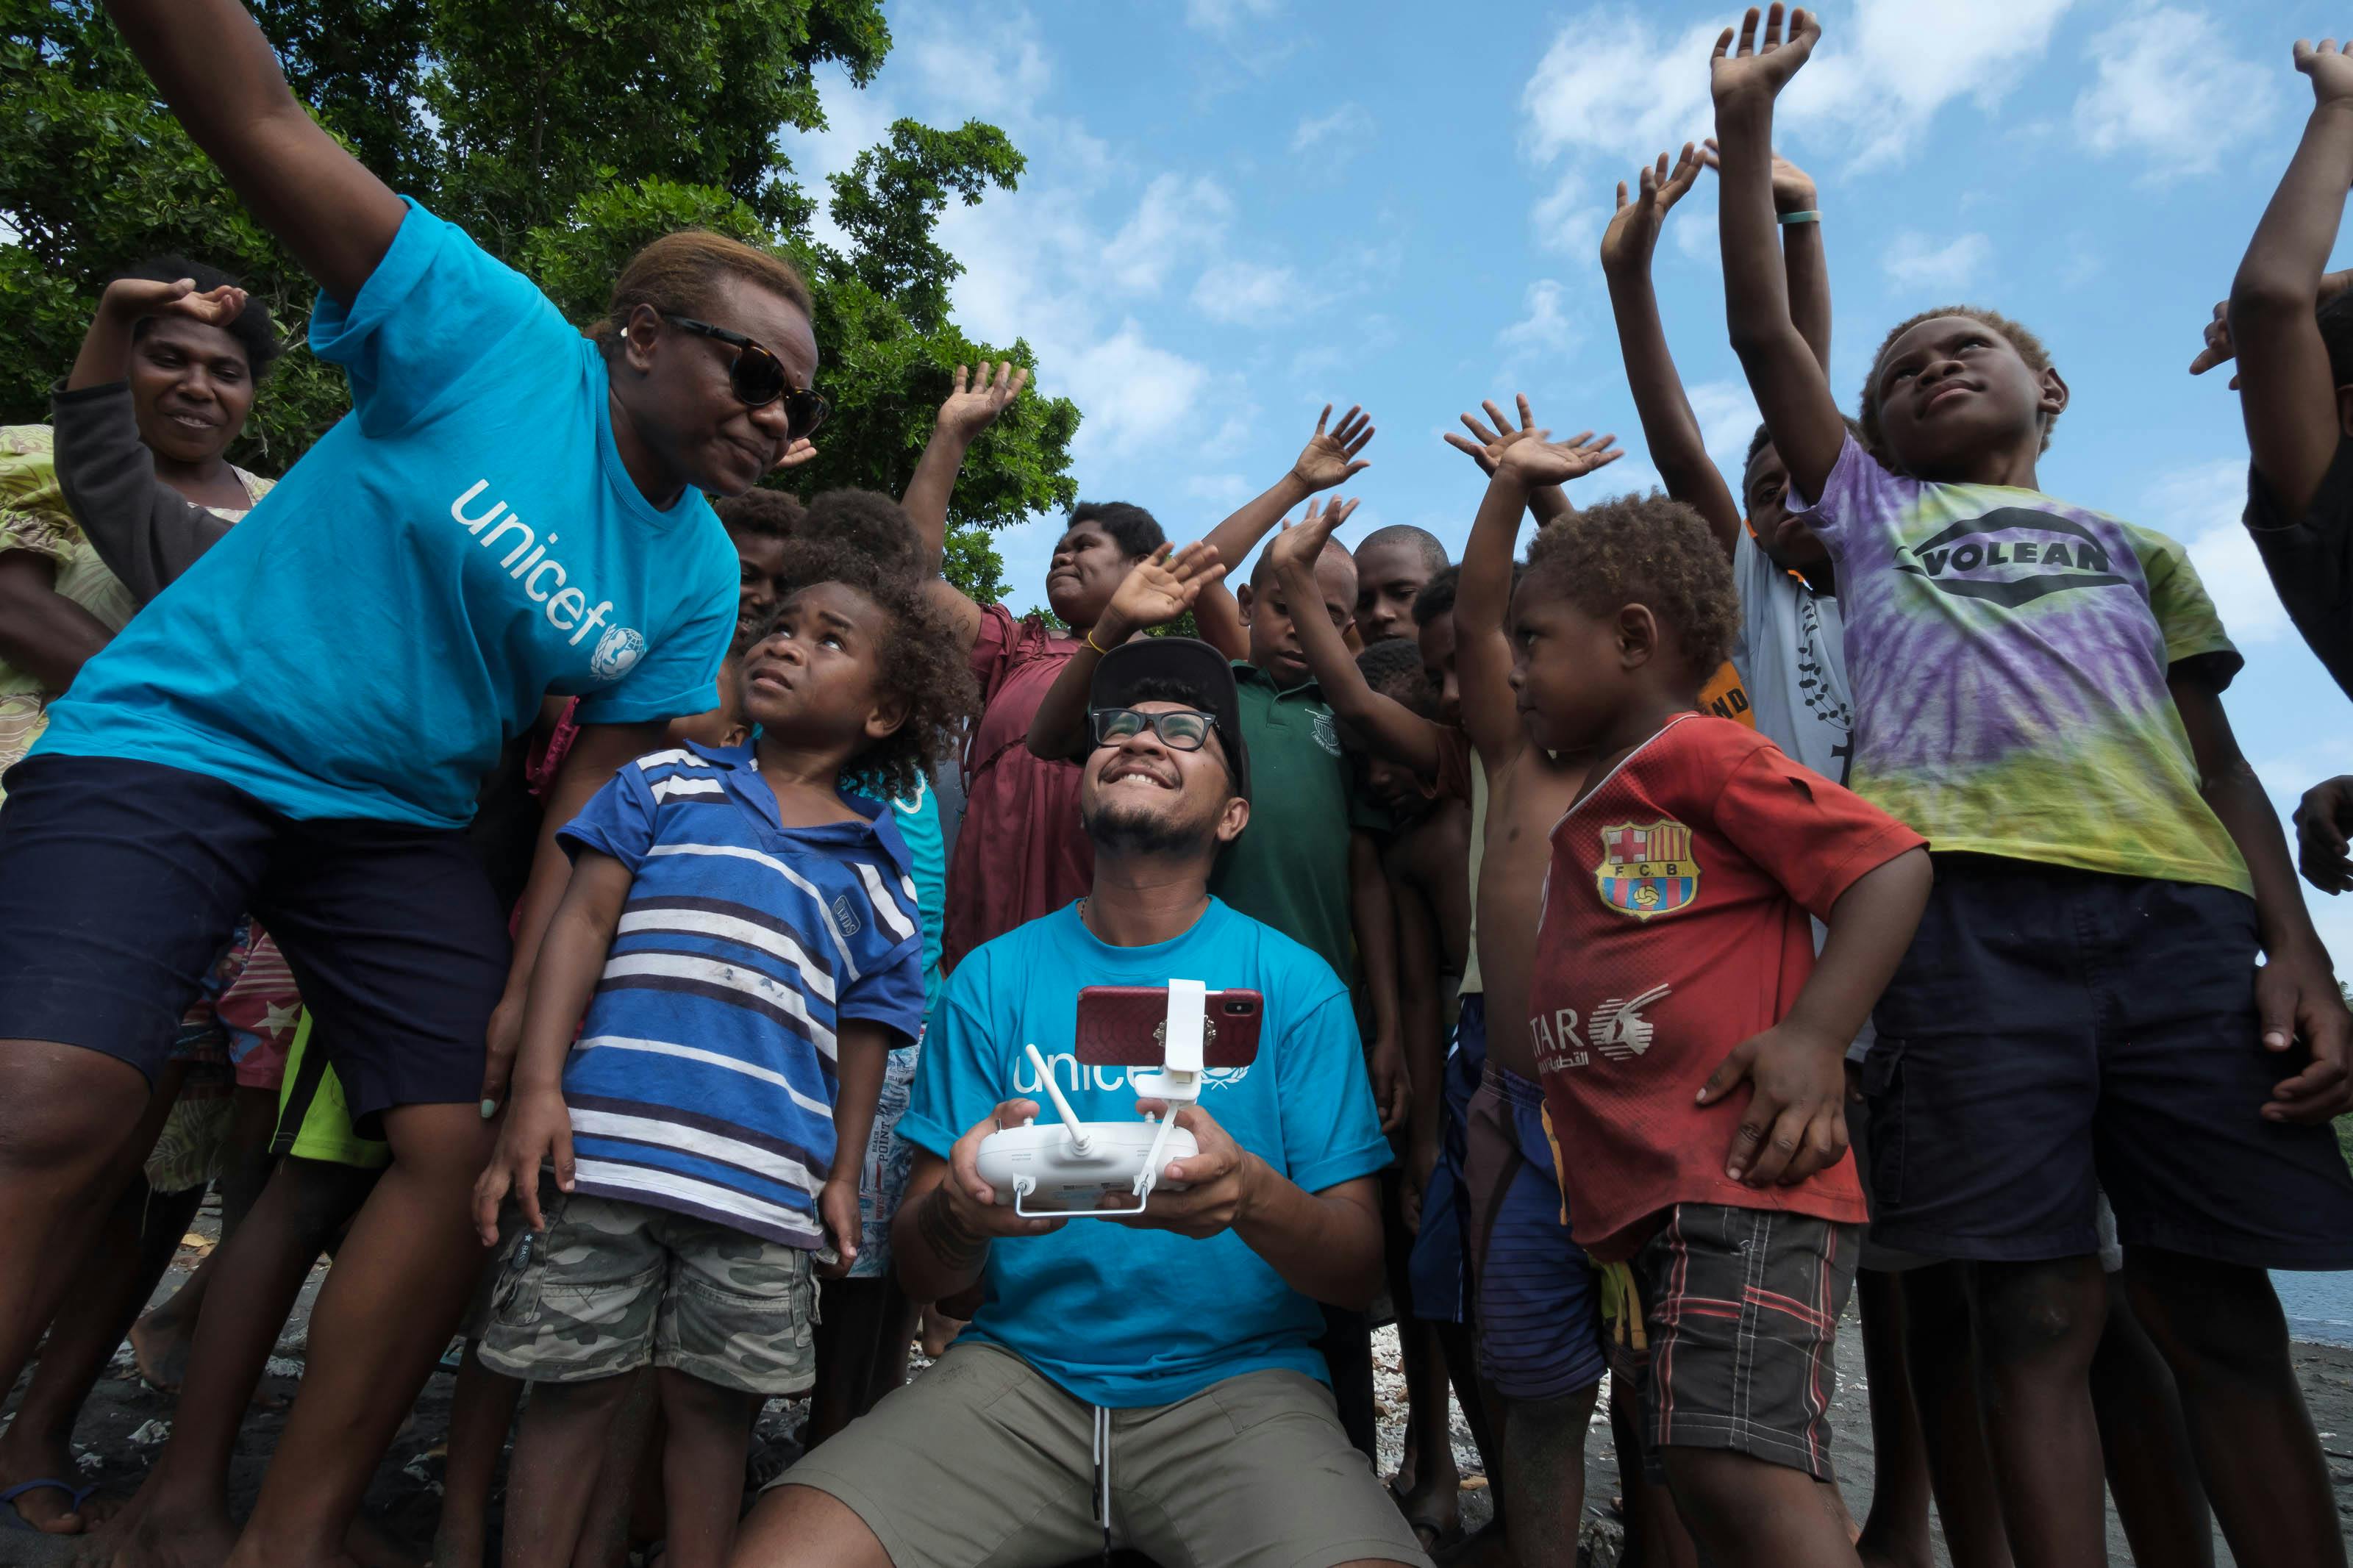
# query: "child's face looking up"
[[1388, 578], [1787, 541], [1273, 638], [815, 678], [1954, 393], [1086, 568], [1565, 669], [1436, 641]]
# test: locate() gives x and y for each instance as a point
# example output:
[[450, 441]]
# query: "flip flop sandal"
[[8, 1496], [1430, 1521]]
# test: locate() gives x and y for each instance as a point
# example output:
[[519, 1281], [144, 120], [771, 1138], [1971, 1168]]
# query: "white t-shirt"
[[1791, 656]]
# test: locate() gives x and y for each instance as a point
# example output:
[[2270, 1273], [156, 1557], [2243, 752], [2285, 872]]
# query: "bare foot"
[[159, 1350], [146, 1534], [939, 1330]]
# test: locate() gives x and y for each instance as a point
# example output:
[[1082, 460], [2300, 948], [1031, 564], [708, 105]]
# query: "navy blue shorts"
[[1539, 1296], [2053, 1032], [1438, 1267], [120, 881]]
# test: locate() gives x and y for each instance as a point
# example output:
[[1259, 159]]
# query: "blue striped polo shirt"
[[704, 1080]]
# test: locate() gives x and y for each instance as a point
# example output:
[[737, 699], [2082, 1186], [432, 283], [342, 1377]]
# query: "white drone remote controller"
[[1066, 1171]]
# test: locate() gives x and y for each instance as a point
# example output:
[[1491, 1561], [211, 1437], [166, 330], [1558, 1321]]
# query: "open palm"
[[980, 397], [1761, 67], [1330, 456], [1634, 231], [1164, 586], [1537, 461]]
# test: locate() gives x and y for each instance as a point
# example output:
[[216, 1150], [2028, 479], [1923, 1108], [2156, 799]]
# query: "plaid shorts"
[[613, 1285], [1741, 1309]]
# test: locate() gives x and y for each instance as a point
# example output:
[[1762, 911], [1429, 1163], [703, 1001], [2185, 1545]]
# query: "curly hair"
[[1392, 667], [2030, 348], [870, 523], [761, 513], [1644, 550], [254, 331], [923, 663], [1136, 531]]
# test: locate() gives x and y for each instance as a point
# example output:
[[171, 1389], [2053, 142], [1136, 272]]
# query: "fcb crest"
[[1647, 869]]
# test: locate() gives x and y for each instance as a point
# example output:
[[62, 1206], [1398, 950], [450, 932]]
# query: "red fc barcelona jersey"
[[1675, 926]]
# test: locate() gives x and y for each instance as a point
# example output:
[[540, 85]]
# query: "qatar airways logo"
[[546, 583]]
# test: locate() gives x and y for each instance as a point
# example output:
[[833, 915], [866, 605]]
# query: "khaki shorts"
[[982, 1461], [613, 1285]]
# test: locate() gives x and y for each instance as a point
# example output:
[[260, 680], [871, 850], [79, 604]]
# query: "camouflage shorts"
[[612, 1285]]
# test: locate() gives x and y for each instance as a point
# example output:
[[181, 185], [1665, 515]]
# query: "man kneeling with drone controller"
[[1141, 1372]]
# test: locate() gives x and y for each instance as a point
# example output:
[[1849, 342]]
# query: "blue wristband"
[[1802, 218]]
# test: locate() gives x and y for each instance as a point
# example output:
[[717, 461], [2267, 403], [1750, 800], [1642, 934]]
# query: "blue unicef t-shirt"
[[463, 542], [1127, 1318]]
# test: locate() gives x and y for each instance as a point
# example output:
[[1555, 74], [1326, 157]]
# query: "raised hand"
[[1535, 461], [1634, 231], [979, 398], [801, 451], [1488, 441], [1298, 544], [131, 299], [1330, 459], [2330, 69], [1158, 589], [1761, 68], [1793, 188]]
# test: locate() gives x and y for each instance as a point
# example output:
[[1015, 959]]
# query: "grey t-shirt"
[[1791, 656]]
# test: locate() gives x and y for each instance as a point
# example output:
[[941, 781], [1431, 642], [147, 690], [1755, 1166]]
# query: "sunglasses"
[[1179, 729], [759, 379]]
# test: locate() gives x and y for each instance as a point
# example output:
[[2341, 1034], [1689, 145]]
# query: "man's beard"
[[1142, 834]]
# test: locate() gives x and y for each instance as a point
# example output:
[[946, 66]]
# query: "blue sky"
[[1238, 210]]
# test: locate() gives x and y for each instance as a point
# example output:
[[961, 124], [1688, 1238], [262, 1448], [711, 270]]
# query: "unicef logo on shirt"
[[617, 651], [1223, 1078]]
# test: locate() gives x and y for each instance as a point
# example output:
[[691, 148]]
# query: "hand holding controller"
[[1068, 1171]]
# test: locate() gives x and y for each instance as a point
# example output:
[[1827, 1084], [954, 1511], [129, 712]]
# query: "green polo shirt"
[[1290, 866]]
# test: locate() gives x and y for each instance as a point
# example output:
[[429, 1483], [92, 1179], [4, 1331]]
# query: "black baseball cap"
[[1129, 673]]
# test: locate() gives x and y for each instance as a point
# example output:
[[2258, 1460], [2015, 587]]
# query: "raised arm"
[[1792, 391], [1670, 429], [972, 407], [1328, 461], [215, 71], [2287, 395], [1388, 726], [1155, 591], [1483, 597]]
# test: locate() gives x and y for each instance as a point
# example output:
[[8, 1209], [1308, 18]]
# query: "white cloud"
[[1726, 412], [2200, 506], [984, 64], [1134, 394], [1545, 328], [1221, 16], [2169, 89], [1914, 261], [1228, 490], [1246, 293], [1349, 122], [1178, 219], [1613, 89]]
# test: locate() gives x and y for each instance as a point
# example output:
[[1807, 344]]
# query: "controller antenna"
[[1080, 1140]]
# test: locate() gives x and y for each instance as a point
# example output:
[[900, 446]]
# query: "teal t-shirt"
[[465, 542], [1129, 1318]]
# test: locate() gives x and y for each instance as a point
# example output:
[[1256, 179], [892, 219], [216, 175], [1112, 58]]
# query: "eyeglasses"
[[759, 378], [1179, 729]]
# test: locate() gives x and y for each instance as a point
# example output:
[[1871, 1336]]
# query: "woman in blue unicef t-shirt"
[[298, 726]]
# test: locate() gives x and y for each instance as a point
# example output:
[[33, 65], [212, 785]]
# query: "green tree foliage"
[[563, 137]]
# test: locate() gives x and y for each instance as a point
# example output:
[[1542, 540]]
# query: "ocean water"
[[2319, 1307]]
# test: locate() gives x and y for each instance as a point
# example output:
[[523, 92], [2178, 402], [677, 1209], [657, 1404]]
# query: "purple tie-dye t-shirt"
[[2007, 654]]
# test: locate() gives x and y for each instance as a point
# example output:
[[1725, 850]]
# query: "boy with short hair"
[[1394, 565], [1675, 961], [2038, 686], [740, 935]]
